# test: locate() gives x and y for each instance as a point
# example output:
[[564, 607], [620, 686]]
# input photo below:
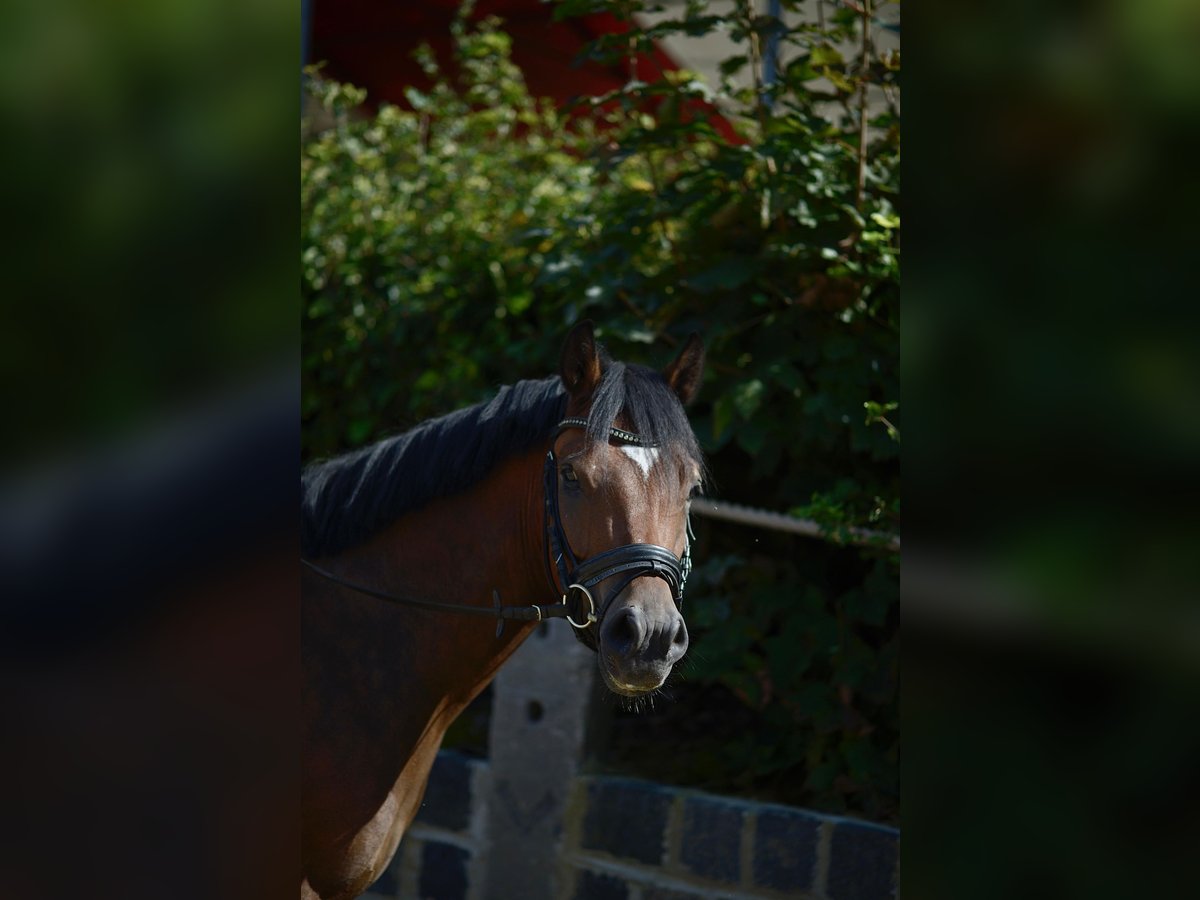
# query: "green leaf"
[[751, 437], [359, 430], [747, 397], [825, 55], [868, 607], [725, 275], [722, 415], [786, 374], [815, 699], [733, 64]]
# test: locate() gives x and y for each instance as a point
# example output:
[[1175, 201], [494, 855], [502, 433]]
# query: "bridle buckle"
[[591, 616]]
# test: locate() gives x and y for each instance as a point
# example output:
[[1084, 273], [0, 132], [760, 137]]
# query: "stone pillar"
[[539, 717]]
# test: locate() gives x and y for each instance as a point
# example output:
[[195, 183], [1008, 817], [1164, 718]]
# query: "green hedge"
[[448, 247]]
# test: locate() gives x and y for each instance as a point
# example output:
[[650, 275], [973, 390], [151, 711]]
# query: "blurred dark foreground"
[[147, 489], [150, 661], [1052, 383], [147, 595]]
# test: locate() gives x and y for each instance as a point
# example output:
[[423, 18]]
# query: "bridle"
[[631, 560], [577, 578]]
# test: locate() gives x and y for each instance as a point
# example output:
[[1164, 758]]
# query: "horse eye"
[[696, 491], [568, 474]]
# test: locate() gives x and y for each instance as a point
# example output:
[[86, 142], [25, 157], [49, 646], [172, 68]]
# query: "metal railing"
[[761, 518]]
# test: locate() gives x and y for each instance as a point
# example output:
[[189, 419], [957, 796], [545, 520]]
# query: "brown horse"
[[571, 489]]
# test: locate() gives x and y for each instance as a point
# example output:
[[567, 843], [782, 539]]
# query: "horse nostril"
[[681, 635], [626, 631], [679, 641]]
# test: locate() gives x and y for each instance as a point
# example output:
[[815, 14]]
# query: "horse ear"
[[684, 374], [580, 366]]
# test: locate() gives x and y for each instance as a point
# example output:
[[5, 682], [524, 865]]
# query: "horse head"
[[625, 466]]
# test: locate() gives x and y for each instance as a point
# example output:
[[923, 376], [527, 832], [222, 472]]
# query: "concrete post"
[[539, 716]]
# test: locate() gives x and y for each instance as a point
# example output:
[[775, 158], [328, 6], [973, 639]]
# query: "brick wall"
[[635, 840], [625, 839], [527, 825]]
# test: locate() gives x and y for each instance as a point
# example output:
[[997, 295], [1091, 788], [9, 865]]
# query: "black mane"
[[347, 500]]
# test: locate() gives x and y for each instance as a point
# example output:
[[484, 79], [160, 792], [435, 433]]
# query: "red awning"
[[369, 43]]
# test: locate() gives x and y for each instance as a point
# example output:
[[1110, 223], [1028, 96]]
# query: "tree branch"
[[864, 69]]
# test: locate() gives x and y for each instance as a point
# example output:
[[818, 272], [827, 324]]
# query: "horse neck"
[[459, 550]]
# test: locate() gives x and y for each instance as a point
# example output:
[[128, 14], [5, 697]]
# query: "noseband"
[[631, 560]]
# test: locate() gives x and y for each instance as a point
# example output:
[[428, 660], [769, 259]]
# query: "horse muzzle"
[[640, 639], [637, 628]]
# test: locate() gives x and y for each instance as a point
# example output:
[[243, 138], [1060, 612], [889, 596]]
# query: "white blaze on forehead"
[[643, 456]]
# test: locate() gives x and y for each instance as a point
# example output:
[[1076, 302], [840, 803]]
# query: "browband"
[[619, 433]]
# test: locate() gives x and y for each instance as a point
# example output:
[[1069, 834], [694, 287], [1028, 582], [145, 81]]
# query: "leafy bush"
[[418, 295], [448, 247]]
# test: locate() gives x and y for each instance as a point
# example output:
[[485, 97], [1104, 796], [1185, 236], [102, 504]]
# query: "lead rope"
[[527, 613]]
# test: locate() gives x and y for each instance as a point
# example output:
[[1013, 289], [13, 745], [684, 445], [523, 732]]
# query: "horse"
[[573, 488]]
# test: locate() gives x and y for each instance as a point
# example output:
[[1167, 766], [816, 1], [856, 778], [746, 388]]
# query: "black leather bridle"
[[577, 578]]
